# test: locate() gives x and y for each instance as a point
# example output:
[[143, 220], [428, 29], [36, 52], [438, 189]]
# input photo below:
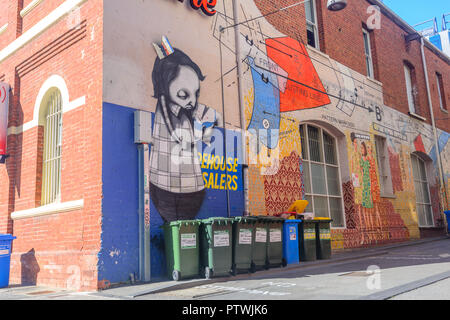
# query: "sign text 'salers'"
[[207, 6]]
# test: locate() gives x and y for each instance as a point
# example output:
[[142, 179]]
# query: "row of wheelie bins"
[[222, 246]]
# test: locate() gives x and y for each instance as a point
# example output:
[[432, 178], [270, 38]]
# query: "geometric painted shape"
[[304, 89], [266, 111], [418, 144]]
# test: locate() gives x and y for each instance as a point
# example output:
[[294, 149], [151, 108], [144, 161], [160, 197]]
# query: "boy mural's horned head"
[[167, 69], [176, 81]]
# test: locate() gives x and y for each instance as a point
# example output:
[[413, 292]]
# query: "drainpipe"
[[144, 214], [241, 105], [433, 122]]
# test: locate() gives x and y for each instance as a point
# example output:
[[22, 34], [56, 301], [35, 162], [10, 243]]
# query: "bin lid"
[[7, 237], [292, 221], [271, 219], [185, 222], [299, 206], [218, 220], [245, 219], [321, 219]]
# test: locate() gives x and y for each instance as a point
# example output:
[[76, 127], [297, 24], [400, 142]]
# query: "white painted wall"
[[131, 26]]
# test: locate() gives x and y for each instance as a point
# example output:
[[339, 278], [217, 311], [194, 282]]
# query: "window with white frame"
[[311, 24], [440, 89], [368, 53], [321, 174], [423, 199], [409, 88], [383, 166], [51, 170]]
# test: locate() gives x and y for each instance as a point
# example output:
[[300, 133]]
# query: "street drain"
[[356, 274]]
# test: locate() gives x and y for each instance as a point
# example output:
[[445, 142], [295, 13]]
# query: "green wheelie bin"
[[182, 249], [274, 241], [323, 238], [307, 240], [216, 257], [243, 229], [259, 252]]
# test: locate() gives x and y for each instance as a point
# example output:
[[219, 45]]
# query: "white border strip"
[[3, 28], [33, 4], [48, 210], [39, 27]]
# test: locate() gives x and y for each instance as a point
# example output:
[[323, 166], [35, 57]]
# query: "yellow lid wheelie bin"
[[307, 240], [323, 238]]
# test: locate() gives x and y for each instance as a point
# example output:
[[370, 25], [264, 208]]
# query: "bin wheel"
[[233, 270], [176, 275], [284, 263], [208, 273], [253, 267]]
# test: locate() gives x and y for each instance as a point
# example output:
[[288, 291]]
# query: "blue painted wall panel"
[[119, 255]]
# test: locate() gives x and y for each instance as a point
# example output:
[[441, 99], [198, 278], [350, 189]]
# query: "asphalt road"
[[412, 272]]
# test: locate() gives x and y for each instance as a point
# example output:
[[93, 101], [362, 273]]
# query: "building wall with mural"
[[245, 118], [256, 77], [288, 84], [195, 161]]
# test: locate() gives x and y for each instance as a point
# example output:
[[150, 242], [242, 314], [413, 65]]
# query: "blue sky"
[[416, 11]]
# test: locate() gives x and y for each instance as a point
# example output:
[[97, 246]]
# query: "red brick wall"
[[341, 38], [435, 64], [10, 15], [39, 12], [57, 250]]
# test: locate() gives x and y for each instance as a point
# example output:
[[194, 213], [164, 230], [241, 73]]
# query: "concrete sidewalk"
[[129, 292]]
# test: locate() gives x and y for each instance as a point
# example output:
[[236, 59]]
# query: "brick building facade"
[[323, 112]]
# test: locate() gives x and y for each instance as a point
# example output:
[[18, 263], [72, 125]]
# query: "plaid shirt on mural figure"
[[174, 165]]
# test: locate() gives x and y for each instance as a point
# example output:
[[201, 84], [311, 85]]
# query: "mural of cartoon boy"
[[176, 182]]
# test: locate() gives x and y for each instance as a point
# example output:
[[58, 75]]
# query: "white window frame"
[[314, 24], [409, 89], [440, 94], [309, 161], [384, 168], [52, 149], [368, 53], [420, 181]]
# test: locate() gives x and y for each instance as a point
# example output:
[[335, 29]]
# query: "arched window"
[[321, 174], [51, 119], [423, 198]]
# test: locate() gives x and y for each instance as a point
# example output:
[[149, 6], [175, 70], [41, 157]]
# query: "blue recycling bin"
[[5, 258], [290, 242], [447, 213]]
